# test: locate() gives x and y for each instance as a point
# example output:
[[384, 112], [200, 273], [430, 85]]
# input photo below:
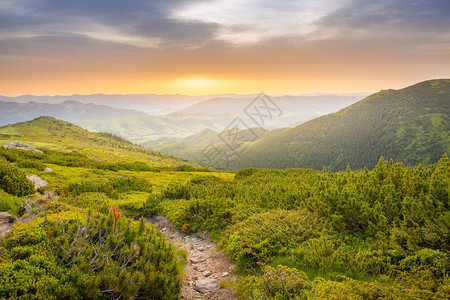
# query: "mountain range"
[[69, 110]]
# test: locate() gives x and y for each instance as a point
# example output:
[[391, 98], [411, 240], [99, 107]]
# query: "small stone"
[[224, 274], [206, 273], [201, 249], [48, 169], [164, 229], [196, 260], [206, 285], [208, 246]]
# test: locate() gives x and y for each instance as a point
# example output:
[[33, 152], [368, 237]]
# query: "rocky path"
[[205, 268]]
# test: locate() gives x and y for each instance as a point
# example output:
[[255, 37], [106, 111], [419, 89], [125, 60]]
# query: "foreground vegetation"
[[374, 234], [294, 234]]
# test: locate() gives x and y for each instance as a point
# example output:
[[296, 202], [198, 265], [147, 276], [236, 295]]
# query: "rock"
[[196, 260], [205, 285], [206, 273], [208, 246], [6, 222], [224, 274], [164, 229], [38, 181], [48, 169], [201, 249], [49, 195], [23, 146]]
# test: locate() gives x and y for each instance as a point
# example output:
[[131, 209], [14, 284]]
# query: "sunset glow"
[[197, 47]]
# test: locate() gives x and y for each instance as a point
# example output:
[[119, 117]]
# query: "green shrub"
[[275, 283], [123, 184], [96, 257], [10, 203], [31, 164], [13, 180], [263, 236]]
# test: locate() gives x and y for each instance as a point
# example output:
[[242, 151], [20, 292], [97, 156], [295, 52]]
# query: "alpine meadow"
[[224, 150]]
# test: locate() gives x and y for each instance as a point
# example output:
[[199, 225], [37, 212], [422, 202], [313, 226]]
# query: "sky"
[[200, 47]]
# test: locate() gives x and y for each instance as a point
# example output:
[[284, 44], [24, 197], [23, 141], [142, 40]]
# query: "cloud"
[[397, 16], [139, 22], [103, 41], [244, 21]]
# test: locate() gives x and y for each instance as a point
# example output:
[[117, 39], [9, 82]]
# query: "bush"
[[13, 180], [123, 184], [101, 256], [10, 203], [263, 236], [275, 283], [31, 164]]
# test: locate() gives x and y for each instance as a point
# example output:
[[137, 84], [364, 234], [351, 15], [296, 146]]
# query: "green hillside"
[[409, 125], [192, 147], [54, 134]]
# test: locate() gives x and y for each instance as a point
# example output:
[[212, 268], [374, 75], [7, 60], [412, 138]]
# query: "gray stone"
[[205, 285], [23, 146], [206, 273], [38, 181], [196, 260], [224, 274]]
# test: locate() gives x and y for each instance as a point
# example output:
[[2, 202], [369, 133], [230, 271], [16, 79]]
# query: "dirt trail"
[[205, 268]]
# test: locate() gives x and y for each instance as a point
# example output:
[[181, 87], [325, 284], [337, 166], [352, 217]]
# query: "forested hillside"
[[409, 125]]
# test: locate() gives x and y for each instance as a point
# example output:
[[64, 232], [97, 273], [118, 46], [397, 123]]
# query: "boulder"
[[38, 181], [205, 285], [23, 146]]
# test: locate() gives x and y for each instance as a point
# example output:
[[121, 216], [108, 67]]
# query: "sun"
[[199, 85]]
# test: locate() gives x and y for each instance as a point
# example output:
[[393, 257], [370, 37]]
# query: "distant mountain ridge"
[[296, 109], [409, 125], [69, 110]]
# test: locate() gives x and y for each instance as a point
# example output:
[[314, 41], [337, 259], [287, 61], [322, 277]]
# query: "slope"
[[54, 134], [409, 125]]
